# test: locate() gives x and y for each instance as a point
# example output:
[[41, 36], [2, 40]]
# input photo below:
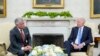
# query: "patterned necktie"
[[22, 35]]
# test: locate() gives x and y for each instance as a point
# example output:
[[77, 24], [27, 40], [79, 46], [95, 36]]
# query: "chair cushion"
[[78, 54]]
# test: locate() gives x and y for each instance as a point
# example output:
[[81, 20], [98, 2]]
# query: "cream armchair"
[[88, 53], [3, 51], [4, 38], [91, 46]]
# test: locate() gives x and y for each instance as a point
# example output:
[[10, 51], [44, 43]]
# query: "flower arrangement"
[[47, 50]]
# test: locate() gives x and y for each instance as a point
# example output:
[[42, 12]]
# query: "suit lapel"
[[18, 33], [76, 32]]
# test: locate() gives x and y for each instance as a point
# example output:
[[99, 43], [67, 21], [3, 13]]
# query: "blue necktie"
[[79, 35]]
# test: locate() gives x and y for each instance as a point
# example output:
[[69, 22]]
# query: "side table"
[[96, 40]]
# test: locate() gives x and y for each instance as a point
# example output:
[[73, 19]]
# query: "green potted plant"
[[52, 15], [28, 14], [40, 13], [65, 14]]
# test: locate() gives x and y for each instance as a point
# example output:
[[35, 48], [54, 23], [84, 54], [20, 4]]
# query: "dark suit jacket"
[[86, 35], [16, 40]]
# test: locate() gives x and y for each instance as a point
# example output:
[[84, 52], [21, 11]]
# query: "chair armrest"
[[92, 44], [3, 49], [90, 49]]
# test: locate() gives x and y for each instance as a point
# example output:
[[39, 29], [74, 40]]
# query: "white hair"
[[18, 20], [80, 19]]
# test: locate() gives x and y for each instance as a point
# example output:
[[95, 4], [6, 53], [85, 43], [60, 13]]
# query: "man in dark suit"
[[20, 40], [79, 38]]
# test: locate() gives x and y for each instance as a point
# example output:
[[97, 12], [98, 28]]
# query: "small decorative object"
[[47, 50], [52, 15], [2, 8], [48, 4], [99, 28]]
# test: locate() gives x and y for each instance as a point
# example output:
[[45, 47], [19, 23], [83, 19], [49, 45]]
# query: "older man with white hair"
[[79, 38], [20, 40]]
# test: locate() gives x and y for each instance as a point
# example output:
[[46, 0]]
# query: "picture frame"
[[55, 4], [2, 8], [95, 8]]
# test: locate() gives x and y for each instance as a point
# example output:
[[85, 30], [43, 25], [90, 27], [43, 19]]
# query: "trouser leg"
[[68, 47], [21, 53]]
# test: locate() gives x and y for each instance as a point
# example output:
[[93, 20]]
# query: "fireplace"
[[40, 39], [55, 31]]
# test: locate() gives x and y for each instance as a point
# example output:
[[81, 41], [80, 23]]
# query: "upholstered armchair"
[[88, 53], [3, 51]]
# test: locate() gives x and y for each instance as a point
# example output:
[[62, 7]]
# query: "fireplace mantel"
[[45, 25], [50, 22]]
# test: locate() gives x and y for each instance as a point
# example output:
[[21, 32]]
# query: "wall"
[[78, 8]]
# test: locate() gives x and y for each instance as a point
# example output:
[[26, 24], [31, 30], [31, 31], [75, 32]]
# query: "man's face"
[[21, 25], [80, 22]]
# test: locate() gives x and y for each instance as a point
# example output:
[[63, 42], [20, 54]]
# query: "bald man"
[[79, 38]]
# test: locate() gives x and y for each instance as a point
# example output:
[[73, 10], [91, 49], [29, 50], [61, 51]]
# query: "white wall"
[[78, 8]]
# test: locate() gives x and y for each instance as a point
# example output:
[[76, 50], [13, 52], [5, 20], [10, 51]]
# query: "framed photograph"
[[95, 8], [48, 4], [2, 8]]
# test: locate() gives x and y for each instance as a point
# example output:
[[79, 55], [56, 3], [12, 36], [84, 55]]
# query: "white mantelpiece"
[[51, 26]]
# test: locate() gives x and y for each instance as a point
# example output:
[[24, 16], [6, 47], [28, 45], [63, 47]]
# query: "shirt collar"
[[19, 29], [81, 27]]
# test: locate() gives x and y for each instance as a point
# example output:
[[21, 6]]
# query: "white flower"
[[34, 53], [58, 49], [52, 54], [47, 50]]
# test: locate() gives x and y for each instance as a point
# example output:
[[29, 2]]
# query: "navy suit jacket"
[[16, 40], [86, 35]]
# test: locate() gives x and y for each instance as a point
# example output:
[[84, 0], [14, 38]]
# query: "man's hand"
[[75, 46], [81, 45], [29, 48], [26, 48]]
